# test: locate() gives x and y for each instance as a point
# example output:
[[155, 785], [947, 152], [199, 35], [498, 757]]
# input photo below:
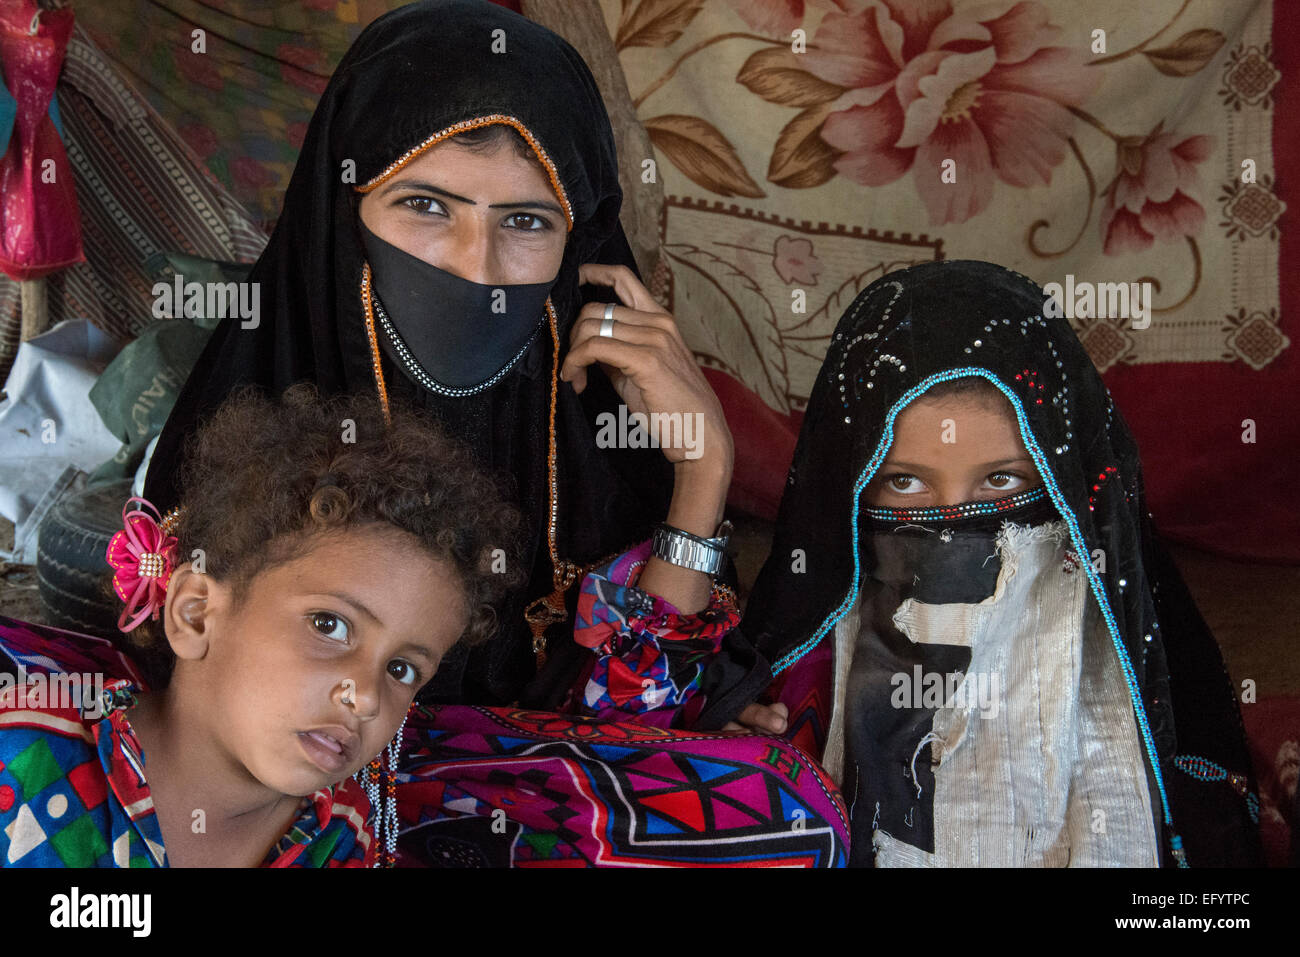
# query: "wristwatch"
[[681, 548]]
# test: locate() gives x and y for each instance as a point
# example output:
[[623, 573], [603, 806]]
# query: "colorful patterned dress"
[[73, 791]]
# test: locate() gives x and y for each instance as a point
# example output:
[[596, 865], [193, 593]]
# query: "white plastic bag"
[[49, 431]]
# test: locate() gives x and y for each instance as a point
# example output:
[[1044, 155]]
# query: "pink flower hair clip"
[[143, 555]]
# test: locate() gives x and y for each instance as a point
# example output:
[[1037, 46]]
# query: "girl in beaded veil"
[[1019, 676]]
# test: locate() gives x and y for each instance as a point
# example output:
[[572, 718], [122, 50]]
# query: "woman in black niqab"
[[415, 77]]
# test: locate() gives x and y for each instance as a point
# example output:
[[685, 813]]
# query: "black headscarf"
[[412, 74], [902, 335]]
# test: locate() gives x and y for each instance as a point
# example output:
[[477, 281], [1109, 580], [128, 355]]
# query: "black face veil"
[[913, 329], [414, 77]]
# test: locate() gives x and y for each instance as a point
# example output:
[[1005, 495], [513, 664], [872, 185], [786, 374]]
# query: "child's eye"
[[905, 484], [1004, 481], [330, 625], [527, 222], [403, 671], [425, 205]]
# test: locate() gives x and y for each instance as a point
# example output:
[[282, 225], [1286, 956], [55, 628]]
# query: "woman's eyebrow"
[[531, 204], [429, 187], [408, 184]]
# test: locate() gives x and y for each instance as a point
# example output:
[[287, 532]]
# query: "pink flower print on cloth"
[[927, 84], [795, 262], [1154, 195]]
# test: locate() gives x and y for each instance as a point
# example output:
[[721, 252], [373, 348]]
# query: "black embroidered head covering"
[[928, 324], [414, 77]]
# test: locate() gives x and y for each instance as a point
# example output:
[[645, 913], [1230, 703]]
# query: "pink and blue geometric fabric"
[[496, 787]]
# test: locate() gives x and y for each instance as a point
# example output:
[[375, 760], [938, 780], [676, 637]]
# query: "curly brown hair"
[[263, 478]]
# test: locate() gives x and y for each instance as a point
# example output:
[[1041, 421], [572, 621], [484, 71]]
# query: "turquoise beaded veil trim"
[[1203, 769], [957, 512]]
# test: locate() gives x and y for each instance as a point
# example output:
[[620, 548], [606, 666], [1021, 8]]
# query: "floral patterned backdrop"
[[803, 148], [834, 157]]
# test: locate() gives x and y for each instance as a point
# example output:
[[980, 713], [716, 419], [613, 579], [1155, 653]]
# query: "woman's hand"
[[653, 371], [650, 367]]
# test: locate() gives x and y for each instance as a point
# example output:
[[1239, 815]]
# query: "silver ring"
[[607, 327], [609, 310]]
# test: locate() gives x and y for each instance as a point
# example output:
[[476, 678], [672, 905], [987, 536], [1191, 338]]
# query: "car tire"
[[73, 576]]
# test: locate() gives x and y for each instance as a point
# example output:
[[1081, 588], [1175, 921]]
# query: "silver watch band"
[[681, 548]]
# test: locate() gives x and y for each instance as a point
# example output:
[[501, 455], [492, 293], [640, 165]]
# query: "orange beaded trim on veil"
[[368, 310], [461, 127]]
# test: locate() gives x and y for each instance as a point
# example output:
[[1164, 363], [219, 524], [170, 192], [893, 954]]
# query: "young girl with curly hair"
[[321, 565]]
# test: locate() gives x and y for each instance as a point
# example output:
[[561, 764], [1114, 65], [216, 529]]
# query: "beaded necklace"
[[379, 780]]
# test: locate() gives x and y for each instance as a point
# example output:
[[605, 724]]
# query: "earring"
[[380, 785]]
